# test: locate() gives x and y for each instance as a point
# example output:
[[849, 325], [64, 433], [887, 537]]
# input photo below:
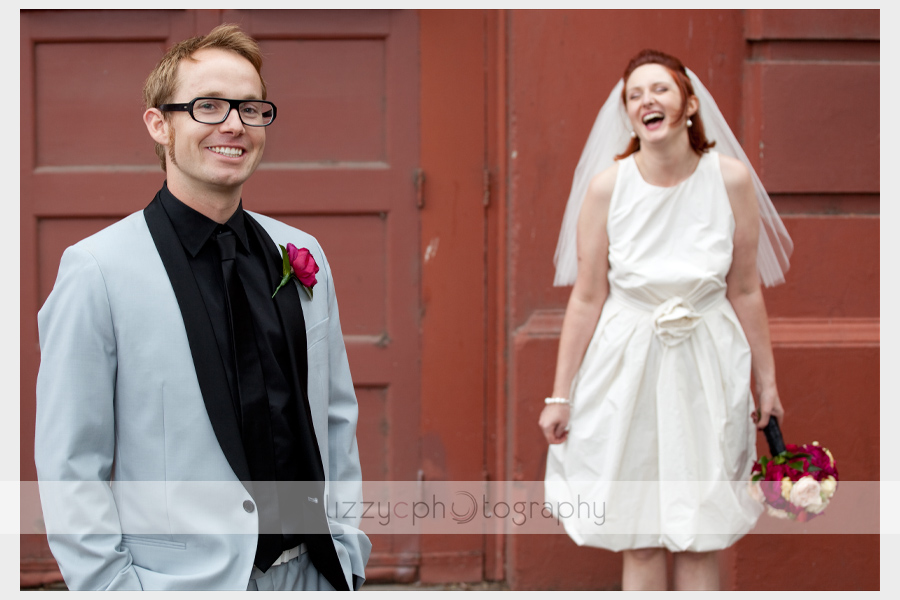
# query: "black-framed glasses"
[[212, 111]]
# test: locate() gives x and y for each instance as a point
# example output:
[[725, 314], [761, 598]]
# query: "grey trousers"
[[297, 574]]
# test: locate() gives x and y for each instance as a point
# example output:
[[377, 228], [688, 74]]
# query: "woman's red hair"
[[696, 134]]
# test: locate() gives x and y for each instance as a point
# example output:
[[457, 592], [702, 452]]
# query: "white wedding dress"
[[660, 430]]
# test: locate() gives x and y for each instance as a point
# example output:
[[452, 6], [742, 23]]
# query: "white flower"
[[786, 486], [674, 320], [817, 508], [828, 486], [755, 490], [805, 492], [777, 512]]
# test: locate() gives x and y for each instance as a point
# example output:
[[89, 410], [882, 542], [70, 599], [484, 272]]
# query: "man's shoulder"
[[114, 252], [125, 231]]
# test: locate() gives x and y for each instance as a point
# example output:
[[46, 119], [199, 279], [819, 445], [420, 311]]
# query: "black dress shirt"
[[196, 233]]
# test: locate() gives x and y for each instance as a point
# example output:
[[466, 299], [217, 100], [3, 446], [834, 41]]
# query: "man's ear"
[[157, 126]]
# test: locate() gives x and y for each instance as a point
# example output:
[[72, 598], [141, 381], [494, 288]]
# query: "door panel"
[[337, 91]]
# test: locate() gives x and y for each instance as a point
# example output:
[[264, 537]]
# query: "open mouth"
[[226, 151], [652, 118]]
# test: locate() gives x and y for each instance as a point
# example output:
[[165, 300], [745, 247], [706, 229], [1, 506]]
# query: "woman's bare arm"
[[586, 301], [744, 291]]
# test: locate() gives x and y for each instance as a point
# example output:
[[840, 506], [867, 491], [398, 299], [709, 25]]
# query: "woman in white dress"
[[665, 322]]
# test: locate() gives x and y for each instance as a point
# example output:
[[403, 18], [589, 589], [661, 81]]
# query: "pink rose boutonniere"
[[299, 263]]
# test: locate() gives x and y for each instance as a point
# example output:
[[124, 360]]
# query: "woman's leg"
[[644, 569], [696, 570]]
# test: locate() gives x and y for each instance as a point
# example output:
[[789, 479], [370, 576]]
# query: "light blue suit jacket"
[[118, 400]]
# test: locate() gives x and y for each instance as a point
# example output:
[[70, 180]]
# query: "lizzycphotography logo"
[[431, 515]]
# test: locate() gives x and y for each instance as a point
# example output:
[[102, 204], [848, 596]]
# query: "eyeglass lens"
[[212, 111]]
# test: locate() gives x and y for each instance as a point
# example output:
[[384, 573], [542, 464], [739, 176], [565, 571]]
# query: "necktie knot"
[[227, 244]]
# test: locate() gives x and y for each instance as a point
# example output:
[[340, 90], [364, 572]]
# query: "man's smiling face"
[[213, 159]]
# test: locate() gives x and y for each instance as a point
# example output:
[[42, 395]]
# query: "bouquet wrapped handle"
[[773, 436]]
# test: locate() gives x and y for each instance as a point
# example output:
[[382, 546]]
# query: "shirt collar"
[[194, 229]]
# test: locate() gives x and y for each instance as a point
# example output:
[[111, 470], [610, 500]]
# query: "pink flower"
[[776, 472], [772, 491], [297, 263], [822, 458], [304, 265]]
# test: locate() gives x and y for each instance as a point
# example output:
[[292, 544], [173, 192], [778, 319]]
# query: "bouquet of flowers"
[[797, 482]]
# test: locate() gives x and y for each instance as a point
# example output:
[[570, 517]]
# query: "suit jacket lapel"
[[290, 310], [208, 365]]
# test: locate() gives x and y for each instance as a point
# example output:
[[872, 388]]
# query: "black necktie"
[[256, 430]]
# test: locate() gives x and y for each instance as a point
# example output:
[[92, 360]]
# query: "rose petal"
[[305, 267]]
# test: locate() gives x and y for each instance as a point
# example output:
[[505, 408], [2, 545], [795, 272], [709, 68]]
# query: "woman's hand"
[[554, 422], [769, 406]]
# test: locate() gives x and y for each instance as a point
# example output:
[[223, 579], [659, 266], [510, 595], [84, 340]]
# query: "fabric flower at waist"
[[674, 320]]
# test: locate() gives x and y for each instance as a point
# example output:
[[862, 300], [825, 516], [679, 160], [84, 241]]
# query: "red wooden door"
[[339, 164]]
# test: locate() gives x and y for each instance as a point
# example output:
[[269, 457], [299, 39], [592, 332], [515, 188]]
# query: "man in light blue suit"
[[191, 425]]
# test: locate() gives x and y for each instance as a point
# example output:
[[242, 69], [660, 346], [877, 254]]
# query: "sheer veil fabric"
[[609, 136]]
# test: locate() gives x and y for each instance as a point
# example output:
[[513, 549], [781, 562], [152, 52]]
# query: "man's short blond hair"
[[160, 85]]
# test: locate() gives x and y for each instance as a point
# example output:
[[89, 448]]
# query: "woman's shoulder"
[[602, 185], [734, 172], [738, 185]]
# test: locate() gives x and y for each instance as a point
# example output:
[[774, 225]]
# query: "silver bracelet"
[[557, 401]]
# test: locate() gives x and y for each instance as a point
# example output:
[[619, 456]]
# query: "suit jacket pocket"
[[316, 333], [131, 539]]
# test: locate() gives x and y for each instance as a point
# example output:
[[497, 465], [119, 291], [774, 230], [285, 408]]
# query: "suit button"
[[248, 506]]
